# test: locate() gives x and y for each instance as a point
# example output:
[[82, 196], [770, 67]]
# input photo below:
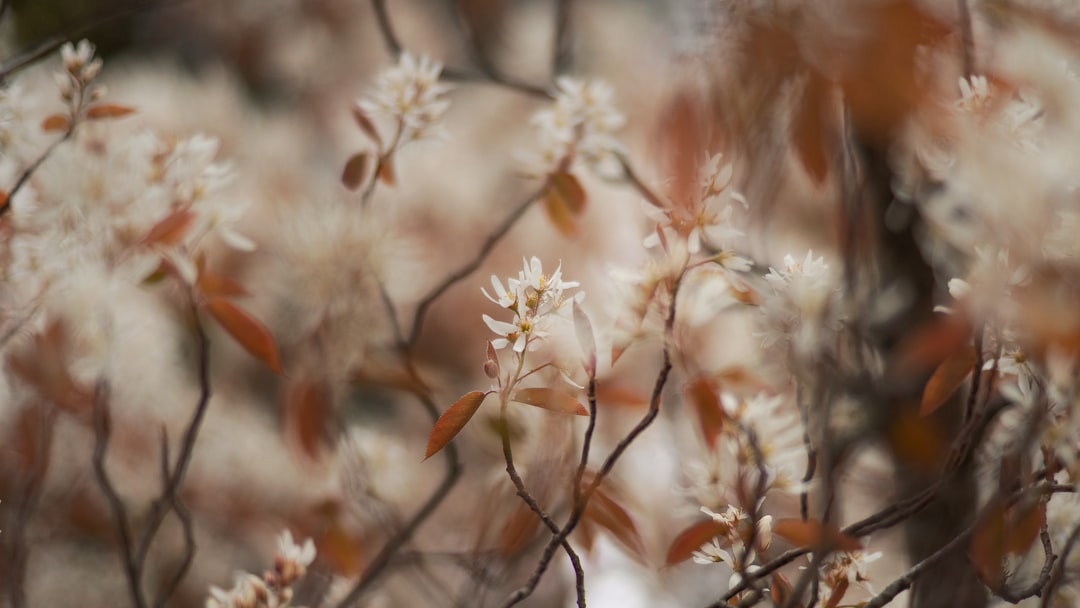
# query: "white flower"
[[292, 560], [799, 305], [974, 94], [533, 297], [411, 94], [708, 219], [581, 122]]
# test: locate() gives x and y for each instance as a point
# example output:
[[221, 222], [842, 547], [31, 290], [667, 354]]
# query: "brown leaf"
[[213, 284], [567, 187], [607, 513], [916, 440], [55, 122], [988, 545], [551, 399], [810, 127], [108, 110], [559, 213], [366, 125], [308, 411], [946, 379], [171, 229], [780, 589], [355, 173], [931, 343], [340, 549], [386, 172], [453, 420], [248, 332], [691, 539], [518, 531], [43, 365], [702, 395], [813, 534]]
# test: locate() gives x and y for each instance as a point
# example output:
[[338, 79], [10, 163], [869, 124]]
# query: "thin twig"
[[19, 548], [563, 43], [609, 463], [470, 267], [386, 555], [586, 442], [530, 501], [102, 432], [1036, 587], [24, 177], [967, 38], [1058, 573], [49, 44], [386, 29]]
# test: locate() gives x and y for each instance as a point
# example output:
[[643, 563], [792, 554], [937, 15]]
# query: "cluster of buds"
[[274, 589], [533, 297], [80, 69]]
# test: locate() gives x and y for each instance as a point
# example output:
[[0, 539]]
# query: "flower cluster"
[[842, 569], [581, 123], [708, 218], [798, 304], [533, 297], [410, 94], [736, 531], [273, 589]]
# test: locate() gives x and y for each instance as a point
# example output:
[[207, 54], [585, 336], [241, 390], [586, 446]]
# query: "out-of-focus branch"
[[562, 45], [17, 545], [453, 471], [1059, 569], [609, 463], [904, 582], [1036, 587], [967, 38], [24, 177], [102, 433], [49, 44], [134, 554], [470, 267]]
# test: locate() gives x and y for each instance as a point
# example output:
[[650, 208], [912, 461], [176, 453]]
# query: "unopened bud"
[[491, 369]]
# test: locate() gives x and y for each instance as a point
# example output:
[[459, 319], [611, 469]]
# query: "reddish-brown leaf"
[[366, 125], [780, 589], [930, 344], [55, 122], [308, 411], [551, 399], [386, 172], [810, 127], [837, 594], [171, 229], [813, 534], [1024, 525], [567, 187], [108, 110], [248, 332], [32, 438], [607, 513], [916, 440], [946, 379], [559, 213], [518, 530], [702, 395], [340, 549], [988, 545], [453, 420], [213, 284], [356, 169], [691, 539], [43, 365]]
